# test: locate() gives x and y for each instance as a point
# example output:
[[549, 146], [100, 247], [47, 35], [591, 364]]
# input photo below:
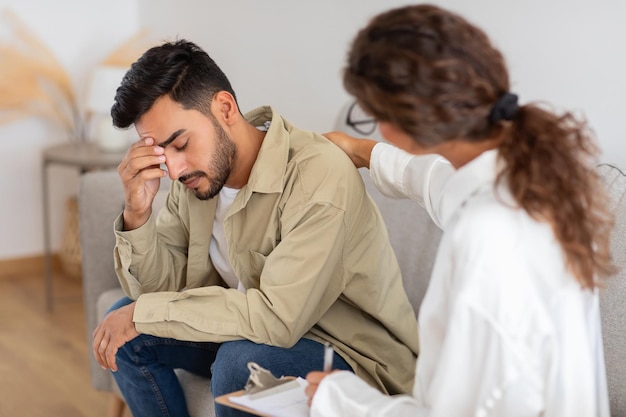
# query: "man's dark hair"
[[180, 69]]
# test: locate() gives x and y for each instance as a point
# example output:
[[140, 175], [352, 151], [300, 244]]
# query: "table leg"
[[46, 239]]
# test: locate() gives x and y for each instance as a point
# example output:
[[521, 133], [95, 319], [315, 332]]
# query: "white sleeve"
[[421, 178], [343, 394]]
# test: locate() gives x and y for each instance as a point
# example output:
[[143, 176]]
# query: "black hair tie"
[[505, 108]]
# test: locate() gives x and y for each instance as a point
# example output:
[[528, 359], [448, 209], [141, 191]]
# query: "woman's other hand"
[[314, 378]]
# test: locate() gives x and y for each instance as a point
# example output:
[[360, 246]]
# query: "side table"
[[84, 156]]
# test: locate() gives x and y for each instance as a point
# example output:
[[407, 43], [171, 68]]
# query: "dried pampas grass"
[[129, 51], [33, 82]]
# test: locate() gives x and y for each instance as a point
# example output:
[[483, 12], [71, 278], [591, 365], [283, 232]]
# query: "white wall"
[[80, 34], [289, 53]]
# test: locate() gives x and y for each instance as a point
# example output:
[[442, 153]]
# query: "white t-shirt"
[[218, 248], [505, 330]]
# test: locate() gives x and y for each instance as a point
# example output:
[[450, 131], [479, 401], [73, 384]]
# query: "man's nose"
[[175, 167]]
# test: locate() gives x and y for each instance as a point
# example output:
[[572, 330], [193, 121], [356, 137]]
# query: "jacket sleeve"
[[301, 279], [344, 394], [148, 261], [398, 174]]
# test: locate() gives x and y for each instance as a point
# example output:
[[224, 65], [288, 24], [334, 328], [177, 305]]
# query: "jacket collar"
[[267, 175]]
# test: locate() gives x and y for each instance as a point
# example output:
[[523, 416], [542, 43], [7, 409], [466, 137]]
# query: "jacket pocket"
[[256, 265]]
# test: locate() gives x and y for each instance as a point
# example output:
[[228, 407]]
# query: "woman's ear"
[[224, 108]]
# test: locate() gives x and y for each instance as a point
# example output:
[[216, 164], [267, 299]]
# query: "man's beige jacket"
[[306, 242]]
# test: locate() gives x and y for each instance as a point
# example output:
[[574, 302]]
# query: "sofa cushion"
[[198, 394], [414, 238]]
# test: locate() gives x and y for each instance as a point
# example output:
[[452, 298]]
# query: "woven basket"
[[70, 246]]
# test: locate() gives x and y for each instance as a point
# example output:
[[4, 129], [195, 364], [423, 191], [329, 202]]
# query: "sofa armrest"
[[612, 301], [100, 201]]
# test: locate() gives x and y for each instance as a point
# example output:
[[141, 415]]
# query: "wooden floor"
[[44, 356]]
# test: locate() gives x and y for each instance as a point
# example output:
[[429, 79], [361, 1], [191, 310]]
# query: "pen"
[[328, 357]]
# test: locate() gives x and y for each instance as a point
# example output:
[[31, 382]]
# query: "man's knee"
[[230, 369]]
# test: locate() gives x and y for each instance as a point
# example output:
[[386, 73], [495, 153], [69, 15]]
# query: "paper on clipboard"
[[285, 400]]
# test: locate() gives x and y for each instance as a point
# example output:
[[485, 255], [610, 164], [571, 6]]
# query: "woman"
[[510, 323]]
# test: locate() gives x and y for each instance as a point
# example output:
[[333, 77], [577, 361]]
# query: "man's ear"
[[224, 108]]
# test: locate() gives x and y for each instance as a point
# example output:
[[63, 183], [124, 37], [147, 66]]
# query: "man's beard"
[[221, 165]]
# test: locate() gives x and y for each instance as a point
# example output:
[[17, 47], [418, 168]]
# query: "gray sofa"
[[413, 236]]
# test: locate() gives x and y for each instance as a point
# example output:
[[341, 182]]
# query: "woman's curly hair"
[[436, 77]]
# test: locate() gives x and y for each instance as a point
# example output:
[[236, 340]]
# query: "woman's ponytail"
[[549, 166]]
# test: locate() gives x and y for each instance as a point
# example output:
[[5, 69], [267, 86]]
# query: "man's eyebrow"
[[172, 138]]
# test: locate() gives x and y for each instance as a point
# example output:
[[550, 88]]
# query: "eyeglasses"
[[360, 121]]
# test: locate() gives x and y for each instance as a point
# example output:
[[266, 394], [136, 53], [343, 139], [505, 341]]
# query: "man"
[[267, 247]]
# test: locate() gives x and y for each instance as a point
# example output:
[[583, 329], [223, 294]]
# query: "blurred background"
[[285, 53], [288, 53]]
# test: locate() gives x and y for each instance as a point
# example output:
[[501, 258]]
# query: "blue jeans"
[[150, 387]]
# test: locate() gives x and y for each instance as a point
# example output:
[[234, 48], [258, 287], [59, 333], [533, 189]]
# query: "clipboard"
[[283, 400], [225, 400]]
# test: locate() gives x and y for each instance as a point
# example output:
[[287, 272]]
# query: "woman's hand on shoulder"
[[359, 150]]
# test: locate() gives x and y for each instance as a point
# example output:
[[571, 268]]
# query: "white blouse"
[[505, 330]]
